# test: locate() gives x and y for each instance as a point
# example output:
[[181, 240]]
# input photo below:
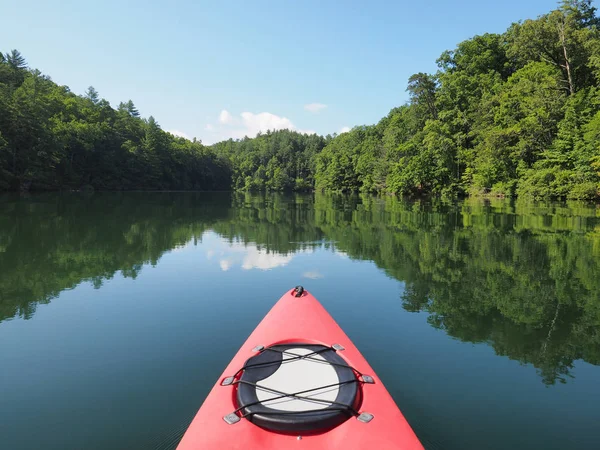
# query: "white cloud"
[[315, 108], [247, 124], [225, 117], [179, 134], [344, 130], [313, 275], [261, 122]]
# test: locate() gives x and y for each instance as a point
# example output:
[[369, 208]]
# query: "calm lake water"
[[119, 311]]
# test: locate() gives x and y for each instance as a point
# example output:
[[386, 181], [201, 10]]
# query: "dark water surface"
[[119, 311]]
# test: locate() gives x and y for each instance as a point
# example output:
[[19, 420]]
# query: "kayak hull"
[[300, 319]]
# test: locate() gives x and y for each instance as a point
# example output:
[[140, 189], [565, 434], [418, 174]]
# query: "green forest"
[[512, 114], [52, 139]]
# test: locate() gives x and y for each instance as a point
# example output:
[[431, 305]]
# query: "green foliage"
[[422, 88], [546, 183], [518, 126], [92, 95], [53, 139], [560, 38], [276, 161], [479, 55], [506, 114]]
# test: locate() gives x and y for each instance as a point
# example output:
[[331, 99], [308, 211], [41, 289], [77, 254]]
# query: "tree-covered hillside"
[[509, 114], [51, 138], [277, 161], [512, 113]]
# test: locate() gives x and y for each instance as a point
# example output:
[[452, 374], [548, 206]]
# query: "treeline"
[[506, 114], [51, 138], [513, 113], [275, 161]]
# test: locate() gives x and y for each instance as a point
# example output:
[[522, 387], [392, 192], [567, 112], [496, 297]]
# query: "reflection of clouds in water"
[[225, 265], [341, 254], [260, 259], [182, 247], [313, 275], [248, 256]]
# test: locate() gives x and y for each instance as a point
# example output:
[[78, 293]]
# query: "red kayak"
[[299, 382]]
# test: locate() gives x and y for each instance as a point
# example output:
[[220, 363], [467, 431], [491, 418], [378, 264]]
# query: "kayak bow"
[[299, 382]]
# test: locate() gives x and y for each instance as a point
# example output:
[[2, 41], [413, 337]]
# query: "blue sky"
[[220, 69]]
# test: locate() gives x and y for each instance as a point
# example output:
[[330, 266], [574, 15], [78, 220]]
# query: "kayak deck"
[[298, 381]]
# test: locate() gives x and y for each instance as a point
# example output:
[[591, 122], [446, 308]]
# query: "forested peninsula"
[[506, 114]]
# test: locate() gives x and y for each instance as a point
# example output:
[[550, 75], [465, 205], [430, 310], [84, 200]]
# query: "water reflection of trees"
[[50, 243], [523, 279]]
